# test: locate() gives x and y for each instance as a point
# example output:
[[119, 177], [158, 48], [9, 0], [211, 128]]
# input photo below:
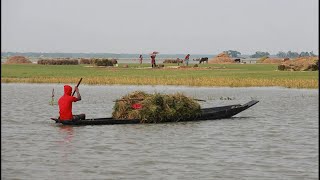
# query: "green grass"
[[233, 75]]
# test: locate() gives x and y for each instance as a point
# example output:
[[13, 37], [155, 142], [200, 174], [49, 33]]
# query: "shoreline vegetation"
[[206, 75]]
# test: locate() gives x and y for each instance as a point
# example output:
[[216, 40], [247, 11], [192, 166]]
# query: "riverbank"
[[209, 75]]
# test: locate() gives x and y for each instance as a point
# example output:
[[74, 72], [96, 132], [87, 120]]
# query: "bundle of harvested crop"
[[155, 108]]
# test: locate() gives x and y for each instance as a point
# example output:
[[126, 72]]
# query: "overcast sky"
[[167, 26]]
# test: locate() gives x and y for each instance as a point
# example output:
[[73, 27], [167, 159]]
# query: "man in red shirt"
[[65, 106]]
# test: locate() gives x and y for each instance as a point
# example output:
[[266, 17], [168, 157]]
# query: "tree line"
[[280, 54]]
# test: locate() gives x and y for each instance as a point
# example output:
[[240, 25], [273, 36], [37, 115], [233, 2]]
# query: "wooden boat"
[[221, 112]]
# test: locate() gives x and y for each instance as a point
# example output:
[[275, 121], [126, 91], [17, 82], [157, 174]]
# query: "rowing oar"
[[77, 86]]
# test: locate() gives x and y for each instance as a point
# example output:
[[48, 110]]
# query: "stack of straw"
[[156, 108]]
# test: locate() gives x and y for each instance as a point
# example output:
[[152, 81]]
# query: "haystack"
[[156, 108], [221, 58], [301, 64], [18, 60], [268, 60]]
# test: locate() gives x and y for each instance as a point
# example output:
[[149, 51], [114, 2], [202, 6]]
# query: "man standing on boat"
[[65, 106]]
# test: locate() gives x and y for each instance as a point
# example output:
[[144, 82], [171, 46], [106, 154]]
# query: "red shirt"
[[65, 104], [187, 57]]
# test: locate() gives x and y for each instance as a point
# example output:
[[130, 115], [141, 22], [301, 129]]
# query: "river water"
[[275, 139]]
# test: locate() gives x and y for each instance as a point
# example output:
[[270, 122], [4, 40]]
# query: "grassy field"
[[227, 75]]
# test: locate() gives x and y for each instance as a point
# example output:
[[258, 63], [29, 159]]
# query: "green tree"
[[281, 54], [232, 53], [304, 54], [292, 54], [259, 54]]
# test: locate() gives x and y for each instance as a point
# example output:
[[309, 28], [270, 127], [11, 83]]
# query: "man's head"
[[67, 90]]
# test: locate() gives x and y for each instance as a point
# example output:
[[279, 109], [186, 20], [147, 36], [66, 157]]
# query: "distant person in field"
[[153, 60], [186, 59], [65, 106], [140, 58]]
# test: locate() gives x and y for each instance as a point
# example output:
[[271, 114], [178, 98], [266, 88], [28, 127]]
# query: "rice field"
[[217, 75]]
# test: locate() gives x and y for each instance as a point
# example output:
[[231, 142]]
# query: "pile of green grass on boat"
[[156, 108]]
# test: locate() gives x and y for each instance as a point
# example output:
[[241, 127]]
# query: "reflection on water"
[[66, 131], [275, 139]]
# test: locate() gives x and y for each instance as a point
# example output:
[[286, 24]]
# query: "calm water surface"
[[275, 139]]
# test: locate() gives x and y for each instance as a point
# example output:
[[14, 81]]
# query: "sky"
[[167, 26]]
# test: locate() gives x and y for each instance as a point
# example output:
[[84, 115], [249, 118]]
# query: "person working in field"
[[153, 60], [186, 59], [65, 106], [140, 59]]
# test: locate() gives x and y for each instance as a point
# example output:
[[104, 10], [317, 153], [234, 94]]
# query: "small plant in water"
[[226, 98]]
